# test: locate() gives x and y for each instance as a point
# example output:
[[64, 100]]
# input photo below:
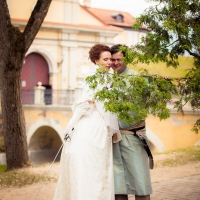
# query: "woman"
[[86, 171]]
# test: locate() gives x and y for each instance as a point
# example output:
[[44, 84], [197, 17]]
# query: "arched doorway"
[[44, 145], [35, 69]]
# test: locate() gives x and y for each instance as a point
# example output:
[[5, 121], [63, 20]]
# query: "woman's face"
[[104, 60]]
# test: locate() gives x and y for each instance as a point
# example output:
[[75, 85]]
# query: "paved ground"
[[187, 188], [169, 183]]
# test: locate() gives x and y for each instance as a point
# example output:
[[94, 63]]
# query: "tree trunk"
[[13, 119], [13, 46]]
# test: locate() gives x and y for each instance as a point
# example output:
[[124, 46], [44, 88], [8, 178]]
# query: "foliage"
[[174, 29], [142, 94]]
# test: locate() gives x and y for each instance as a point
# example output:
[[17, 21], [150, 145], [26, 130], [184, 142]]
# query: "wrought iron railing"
[[60, 97], [28, 96]]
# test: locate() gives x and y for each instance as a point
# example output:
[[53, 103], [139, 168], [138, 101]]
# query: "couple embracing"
[[102, 159]]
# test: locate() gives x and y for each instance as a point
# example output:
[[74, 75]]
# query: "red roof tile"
[[105, 16]]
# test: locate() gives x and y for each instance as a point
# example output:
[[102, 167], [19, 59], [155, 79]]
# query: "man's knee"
[[121, 197]]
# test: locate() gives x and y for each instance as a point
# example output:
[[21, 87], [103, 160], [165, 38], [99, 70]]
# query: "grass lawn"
[[20, 178], [185, 62], [2, 168], [179, 157]]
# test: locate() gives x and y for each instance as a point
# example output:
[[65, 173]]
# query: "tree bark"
[[13, 46], [35, 22], [13, 120]]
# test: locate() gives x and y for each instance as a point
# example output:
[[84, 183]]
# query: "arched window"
[[35, 69]]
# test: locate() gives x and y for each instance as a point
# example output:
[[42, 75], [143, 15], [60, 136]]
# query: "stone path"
[[187, 188], [169, 183]]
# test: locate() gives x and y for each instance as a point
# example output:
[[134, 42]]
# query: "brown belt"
[[145, 144]]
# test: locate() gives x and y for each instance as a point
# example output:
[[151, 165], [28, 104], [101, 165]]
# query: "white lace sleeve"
[[79, 109], [112, 131]]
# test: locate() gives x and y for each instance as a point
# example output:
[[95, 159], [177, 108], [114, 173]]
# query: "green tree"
[[13, 47], [126, 95], [174, 29]]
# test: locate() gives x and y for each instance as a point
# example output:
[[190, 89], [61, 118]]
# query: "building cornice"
[[48, 108], [73, 27]]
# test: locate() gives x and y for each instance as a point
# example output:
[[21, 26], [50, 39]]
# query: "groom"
[[131, 168]]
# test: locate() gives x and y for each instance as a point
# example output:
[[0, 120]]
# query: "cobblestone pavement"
[[186, 188]]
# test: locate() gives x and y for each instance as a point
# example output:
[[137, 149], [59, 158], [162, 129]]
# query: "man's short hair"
[[116, 48]]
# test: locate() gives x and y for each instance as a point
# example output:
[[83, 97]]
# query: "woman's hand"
[[68, 133]]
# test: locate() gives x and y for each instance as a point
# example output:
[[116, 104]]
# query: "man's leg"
[[146, 197], [121, 197], [136, 166], [125, 197]]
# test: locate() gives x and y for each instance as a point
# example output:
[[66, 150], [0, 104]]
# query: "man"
[[131, 168]]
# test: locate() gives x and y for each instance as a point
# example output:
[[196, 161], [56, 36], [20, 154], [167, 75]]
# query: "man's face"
[[117, 62]]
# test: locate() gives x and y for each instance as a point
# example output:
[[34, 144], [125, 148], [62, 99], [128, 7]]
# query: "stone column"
[[65, 68], [72, 11], [39, 94], [72, 68]]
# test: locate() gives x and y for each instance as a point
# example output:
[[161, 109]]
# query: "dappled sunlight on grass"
[[20, 178], [179, 157], [2, 168]]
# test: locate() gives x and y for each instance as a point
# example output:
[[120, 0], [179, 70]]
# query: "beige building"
[[68, 32]]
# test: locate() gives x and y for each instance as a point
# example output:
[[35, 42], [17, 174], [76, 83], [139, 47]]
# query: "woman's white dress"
[[86, 169]]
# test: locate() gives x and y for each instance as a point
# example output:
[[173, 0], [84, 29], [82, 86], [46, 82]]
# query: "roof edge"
[[59, 25], [86, 8]]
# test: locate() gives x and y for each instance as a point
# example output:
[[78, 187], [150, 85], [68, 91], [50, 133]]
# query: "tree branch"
[[35, 22], [172, 43], [5, 24], [193, 54], [190, 52]]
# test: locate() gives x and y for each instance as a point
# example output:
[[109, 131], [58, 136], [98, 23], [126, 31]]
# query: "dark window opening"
[[118, 17]]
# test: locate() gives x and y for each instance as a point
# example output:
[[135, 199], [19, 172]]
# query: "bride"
[[86, 170]]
